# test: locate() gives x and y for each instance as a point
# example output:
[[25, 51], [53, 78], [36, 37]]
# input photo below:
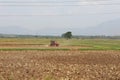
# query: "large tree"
[[67, 35]]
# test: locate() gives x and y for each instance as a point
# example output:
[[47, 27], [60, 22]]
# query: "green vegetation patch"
[[26, 49], [81, 44]]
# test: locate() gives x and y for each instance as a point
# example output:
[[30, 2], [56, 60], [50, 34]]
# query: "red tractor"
[[54, 43]]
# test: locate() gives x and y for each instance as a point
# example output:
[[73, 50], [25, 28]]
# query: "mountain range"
[[106, 28], [109, 28]]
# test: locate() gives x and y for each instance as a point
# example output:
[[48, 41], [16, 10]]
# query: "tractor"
[[54, 43]]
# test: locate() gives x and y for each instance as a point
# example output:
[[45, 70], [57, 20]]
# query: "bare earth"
[[59, 65]]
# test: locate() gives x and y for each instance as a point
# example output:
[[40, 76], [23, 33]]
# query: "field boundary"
[[54, 49]]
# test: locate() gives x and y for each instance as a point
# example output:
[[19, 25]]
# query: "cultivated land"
[[75, 59], [43, 44]]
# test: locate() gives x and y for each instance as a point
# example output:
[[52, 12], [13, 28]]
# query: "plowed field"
[[60, 65]]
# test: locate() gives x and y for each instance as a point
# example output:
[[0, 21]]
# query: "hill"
[[109, 28]]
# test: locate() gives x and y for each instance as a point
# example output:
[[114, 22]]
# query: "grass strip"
[[103, 49], [41, 49]]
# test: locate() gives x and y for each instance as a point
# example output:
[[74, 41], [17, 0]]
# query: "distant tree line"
[[67, 35], [96, 37]]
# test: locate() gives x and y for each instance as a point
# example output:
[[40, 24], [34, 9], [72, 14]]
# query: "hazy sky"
[[63, 15]]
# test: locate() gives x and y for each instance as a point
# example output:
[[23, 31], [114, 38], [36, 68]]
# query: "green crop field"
[[43, 44]]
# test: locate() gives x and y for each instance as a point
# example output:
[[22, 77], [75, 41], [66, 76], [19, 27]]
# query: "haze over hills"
[[110, 28], [13, 30]]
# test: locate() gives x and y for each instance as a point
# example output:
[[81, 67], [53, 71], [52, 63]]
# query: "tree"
[[67, 35]]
